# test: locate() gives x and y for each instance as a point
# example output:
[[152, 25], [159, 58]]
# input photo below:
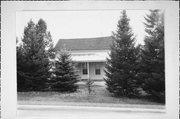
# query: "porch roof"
[[98, 57]]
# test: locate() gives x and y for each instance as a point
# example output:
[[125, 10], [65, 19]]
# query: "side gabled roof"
[[98, 43]]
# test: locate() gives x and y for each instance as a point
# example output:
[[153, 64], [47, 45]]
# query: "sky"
[[82, 24]]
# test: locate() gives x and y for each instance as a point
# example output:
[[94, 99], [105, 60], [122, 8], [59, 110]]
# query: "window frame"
[[84, 68], [97, 69]]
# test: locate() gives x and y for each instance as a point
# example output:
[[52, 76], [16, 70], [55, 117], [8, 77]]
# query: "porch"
[[90, 64], [91, 70]]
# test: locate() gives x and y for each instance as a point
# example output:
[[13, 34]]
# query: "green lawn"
[[99, 96]]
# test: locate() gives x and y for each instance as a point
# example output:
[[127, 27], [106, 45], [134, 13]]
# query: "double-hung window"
[[84, 69], [97, 69]]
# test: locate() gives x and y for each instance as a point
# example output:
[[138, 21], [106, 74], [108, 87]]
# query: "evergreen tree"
[[121, 66], [21, 85], [152, 72], [65, 77], [35, 53]]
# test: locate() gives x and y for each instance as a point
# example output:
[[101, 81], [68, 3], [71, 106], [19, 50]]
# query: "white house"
[[89, 53]]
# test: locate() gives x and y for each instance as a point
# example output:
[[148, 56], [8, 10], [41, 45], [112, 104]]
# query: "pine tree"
[[36, 49], [152, 72], [21, 85], [65, 77], [121, 66]]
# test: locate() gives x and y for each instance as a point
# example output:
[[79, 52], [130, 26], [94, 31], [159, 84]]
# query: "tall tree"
[[21, 85], [35, 50], [65, 75], [121, 66], [152, 70]]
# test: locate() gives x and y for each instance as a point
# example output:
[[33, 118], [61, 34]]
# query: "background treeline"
[[130, 70]]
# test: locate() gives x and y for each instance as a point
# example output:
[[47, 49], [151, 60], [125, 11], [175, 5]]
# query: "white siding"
[[93, 68]]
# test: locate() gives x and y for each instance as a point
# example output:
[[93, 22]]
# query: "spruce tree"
[[121, 66], [21, 85], [65, 75], [36, 48], [152, 72]]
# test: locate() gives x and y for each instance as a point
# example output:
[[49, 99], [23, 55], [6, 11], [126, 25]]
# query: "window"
[[97, 69], [84, 69]]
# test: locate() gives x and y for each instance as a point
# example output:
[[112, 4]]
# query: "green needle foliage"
[[121, 66], [152, 67], [33, 56], [65, 74]]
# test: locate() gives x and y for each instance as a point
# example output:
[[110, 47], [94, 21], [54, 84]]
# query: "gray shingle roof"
[[99, 43]]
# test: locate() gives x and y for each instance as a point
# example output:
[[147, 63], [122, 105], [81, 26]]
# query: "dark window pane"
[[98, 71], [85, 71]]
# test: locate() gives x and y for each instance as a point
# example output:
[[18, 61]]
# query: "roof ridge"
[[85, 38]]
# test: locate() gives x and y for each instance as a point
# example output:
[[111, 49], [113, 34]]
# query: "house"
[[89, 53]]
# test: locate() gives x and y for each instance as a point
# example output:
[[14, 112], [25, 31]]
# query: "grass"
[[99, 96]]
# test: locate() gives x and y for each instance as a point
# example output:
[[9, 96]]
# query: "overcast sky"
[[82, 24]]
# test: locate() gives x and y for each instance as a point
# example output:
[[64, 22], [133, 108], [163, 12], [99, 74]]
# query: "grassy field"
[[98, 96]]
